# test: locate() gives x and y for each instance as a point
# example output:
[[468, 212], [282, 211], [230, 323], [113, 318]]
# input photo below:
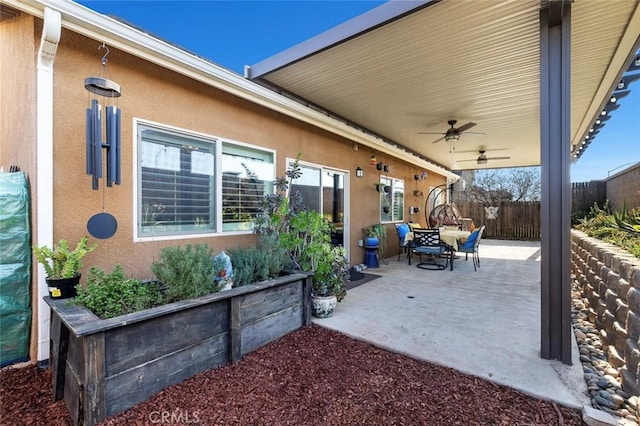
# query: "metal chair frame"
[[427, 242]]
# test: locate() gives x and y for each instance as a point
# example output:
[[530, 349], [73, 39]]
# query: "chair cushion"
[[402, 229], [413, 226], [430, 250], [471, 240]]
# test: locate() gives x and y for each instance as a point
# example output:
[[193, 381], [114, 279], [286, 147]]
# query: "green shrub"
[[257, 263], [186, 271], [618, 228], [113, 294]]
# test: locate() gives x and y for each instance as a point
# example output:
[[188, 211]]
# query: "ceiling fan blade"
[[498, 158], [465, 127], [462, 161], [430, 133], [438, 140]]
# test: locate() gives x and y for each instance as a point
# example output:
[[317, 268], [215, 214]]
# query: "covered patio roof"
[[406, 68]]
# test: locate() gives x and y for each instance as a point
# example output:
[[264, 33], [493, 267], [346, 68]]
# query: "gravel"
[[312, 376]]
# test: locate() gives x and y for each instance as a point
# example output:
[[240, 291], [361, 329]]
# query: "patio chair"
[[427, 242], [402, 229], [470, 245]]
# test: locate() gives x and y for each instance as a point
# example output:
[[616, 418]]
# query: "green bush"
[[257, 263], [113, 294], [618, 228], [186, 271]]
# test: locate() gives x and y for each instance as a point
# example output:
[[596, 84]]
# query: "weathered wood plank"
[[267, 329], [94, 381], [74, 395], [306, 300], [75, 354], [130, 387], [235, 345], [59, 349], [166, 334], [261, 304]]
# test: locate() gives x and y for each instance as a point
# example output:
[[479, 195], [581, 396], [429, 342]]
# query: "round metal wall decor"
[[102, 225]]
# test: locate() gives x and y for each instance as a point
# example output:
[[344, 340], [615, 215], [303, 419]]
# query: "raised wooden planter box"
[[103, 367]]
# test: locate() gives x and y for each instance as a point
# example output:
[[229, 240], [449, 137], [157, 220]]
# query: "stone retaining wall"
[[609, 279]]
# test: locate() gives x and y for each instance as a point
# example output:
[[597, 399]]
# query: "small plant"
[[187, 271], [112, 294], [61, 261], [332, 274]]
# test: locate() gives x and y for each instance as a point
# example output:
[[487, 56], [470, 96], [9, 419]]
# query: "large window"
[[391, 200], [190, 184]]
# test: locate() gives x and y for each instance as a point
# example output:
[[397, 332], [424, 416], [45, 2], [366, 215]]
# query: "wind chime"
[[103, 225], [108, 90]]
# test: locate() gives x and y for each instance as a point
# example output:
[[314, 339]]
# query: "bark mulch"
[[312, 376]]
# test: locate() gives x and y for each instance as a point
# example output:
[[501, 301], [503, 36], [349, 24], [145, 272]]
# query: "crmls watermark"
[[175, 417]]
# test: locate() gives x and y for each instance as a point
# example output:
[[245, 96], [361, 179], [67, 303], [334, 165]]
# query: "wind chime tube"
[[111, 145], [118, 145], [97, 144], [89, 140]]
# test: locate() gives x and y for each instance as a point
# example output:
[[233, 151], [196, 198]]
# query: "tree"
[[492, 186]]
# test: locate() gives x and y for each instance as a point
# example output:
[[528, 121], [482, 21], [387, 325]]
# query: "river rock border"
[[606, 321]]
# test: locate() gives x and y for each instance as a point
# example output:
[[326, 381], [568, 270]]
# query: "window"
[[180, 193], [176, 183], [247, 175], [391, 200]]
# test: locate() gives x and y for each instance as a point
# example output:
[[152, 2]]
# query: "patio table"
[[447, 236]]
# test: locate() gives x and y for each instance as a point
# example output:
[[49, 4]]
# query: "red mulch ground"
[[313, 376]]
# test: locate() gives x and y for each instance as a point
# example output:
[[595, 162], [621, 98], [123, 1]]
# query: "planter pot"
[[103, 367], [371, 242], [63, 288], [323, 306]]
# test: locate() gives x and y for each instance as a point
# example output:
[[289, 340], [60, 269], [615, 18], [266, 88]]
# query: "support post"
[[555, 114]]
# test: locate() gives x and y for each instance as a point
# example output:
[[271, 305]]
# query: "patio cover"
[[409, 66]]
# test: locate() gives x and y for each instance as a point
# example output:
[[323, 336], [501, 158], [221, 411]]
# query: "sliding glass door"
[[323, 190]]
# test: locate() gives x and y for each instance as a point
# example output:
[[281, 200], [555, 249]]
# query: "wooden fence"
[[517, 220], [585, 194]]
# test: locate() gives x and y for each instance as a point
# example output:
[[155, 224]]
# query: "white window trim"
[[404, 188], [218, 182]]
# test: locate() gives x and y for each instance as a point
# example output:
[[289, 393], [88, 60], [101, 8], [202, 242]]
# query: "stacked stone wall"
[[609, 279]]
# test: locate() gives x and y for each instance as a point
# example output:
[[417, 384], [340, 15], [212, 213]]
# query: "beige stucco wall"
[[17, 94], [623, 188]]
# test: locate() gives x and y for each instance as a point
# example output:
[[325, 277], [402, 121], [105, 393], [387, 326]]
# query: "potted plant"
[[63, 265], [329, 280]]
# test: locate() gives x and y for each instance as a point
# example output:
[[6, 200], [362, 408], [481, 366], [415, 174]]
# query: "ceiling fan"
[[452, 134], [483, 159]]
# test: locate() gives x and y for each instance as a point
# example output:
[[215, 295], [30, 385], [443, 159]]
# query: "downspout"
[[51, 31]]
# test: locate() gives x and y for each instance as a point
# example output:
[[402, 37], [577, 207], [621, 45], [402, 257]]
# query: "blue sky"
[[238, 33]]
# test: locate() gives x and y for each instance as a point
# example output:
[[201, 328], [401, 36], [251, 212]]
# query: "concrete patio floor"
[[485, 323]]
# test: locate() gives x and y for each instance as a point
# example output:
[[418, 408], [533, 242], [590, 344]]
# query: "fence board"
[[517, 220]]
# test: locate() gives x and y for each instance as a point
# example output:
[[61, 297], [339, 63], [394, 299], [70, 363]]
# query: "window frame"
[[217, 189], [393, 183]]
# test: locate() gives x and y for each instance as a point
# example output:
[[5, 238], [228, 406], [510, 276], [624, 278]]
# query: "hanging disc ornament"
[[102, 225]]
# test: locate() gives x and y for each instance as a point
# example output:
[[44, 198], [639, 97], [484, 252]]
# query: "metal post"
[[555, 79]]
